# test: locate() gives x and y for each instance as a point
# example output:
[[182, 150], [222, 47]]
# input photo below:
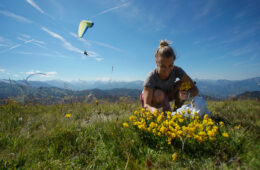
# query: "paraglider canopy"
[[83, 26]]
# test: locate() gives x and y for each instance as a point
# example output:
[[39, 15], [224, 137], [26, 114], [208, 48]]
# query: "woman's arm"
[[148, 96], [193, 90]]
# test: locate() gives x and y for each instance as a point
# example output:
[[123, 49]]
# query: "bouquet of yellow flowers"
[[185, 86]]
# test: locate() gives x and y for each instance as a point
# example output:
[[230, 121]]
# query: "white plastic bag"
[[198, 104]]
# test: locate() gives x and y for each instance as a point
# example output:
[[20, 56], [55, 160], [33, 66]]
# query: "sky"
[[213, 39]]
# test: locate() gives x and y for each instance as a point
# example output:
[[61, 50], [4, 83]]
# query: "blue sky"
[[213, 39]]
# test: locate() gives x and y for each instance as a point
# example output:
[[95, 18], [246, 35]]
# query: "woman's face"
[[164, 66]]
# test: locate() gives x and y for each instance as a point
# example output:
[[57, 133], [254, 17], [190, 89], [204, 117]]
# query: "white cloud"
[[104, 79], [205, 10], [55, 54], [26, 36], [16, 17], [80, 39], [32, 3], [111, 9], [96, 42], [70, 47], [33, 41], [2, 70], [32, 72], [66, 44], [5, 42], [15, 46], [107, 45], [52, 73]]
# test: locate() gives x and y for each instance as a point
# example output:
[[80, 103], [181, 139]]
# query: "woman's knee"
[[158, 96]]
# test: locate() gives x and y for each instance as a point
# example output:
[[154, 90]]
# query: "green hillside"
[[92, 136]]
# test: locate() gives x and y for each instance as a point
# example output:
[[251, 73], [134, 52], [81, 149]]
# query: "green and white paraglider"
[[83, 27]]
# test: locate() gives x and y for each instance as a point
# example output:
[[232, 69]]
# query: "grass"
[[41, 137]]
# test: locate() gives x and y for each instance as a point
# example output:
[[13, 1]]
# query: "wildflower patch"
[[177, 127]]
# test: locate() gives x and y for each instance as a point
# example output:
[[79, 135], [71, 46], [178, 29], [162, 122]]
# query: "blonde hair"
[[164, 50]]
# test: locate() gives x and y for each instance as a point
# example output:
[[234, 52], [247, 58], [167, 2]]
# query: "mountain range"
[[112, 90]]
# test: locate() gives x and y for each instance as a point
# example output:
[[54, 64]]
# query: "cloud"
[[96, 42], [51, 73], [5, 42], [15, 46], [205, 40], [84, 41], [107, 45], [16, 17], [32, 72], [205, 10], [2, 70], [241, 33], [32, 3], [44, 54], [70, 47], [111, 9], [66, 44], [38, 43]]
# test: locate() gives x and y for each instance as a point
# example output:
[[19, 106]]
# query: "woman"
[[161, 86]]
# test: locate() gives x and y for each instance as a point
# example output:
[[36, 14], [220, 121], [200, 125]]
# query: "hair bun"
[[164, 43]]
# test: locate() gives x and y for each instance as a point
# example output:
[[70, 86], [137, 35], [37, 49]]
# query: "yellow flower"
[[238, 127], [68, 115], [185, 86], [174, 156], [221, 123], [163, 129], [211, 138], [132, 118], [169, 141], [225, 135], [181, 120], [159, 118], [125, 125]]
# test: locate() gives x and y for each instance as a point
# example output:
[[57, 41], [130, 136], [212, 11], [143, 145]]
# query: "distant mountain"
[[225, 88], [249, 95], [45, 95], [211, 89], [103, 85]]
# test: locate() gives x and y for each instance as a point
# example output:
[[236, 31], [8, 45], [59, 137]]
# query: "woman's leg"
[[160, 99]]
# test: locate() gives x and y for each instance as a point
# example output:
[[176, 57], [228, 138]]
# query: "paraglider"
[[27, 78], [83, 27], [85, 53]]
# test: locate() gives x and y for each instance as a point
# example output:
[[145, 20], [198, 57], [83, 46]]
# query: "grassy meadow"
[[92, 136]]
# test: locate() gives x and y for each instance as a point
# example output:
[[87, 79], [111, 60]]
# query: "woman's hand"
[[153, 110], [183, 95]]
